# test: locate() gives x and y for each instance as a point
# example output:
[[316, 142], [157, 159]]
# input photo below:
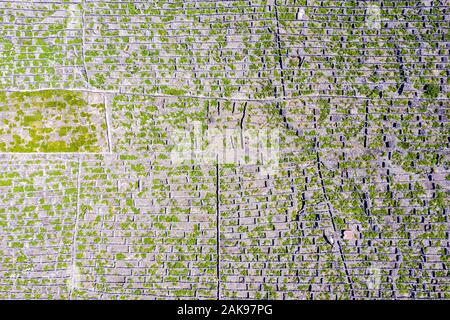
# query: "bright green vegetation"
[[363, 126], [52, 121]]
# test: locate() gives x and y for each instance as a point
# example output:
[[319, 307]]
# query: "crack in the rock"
[[218, 227], [366, 123], [241, 124]]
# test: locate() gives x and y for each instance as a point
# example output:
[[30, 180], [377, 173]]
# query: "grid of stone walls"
[[363, 48]]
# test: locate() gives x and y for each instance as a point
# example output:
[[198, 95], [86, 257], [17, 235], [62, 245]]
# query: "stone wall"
[[356, 92]]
